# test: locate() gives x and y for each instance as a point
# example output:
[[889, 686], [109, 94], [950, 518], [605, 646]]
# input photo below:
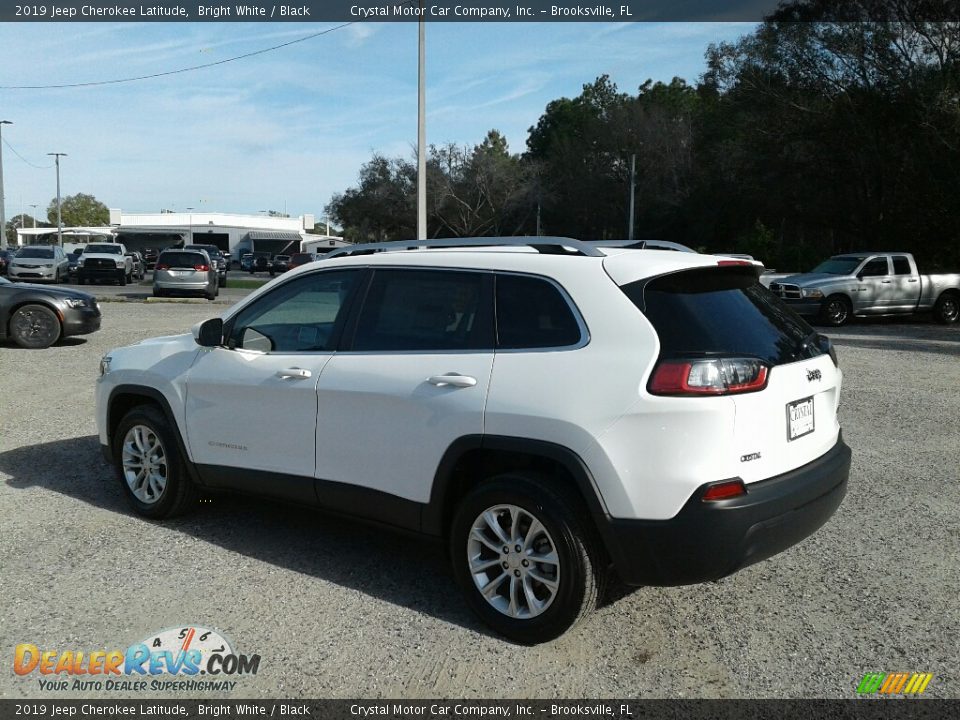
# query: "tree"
[[79, 210]]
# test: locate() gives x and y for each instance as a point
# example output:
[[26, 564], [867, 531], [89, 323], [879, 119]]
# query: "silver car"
[[39, 262], [185, 272]]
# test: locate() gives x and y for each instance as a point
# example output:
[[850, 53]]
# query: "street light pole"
[[57, 157], [422, 131], [34, 214], [3, 217], [190, 240], [633, 184]]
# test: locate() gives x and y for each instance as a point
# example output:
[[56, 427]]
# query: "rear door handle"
[[452, 379], [886, 282], [294, 374]]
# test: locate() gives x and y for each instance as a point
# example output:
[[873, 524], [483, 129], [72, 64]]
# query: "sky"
[[287, 129]]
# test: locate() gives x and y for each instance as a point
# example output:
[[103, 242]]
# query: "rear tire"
[[149, 467], [35, 327], [525, 557], [835, 311], [947, 308]]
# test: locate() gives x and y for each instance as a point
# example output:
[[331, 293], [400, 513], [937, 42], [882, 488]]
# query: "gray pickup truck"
[[869, 284]]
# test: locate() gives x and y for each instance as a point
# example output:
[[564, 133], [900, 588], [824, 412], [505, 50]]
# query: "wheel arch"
[[472, 458], [124, 398], [31, 301]]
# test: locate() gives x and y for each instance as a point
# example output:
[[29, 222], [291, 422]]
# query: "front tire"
[[835, 311], [524, 558], [947, 309], [151, 471], [35, 327]]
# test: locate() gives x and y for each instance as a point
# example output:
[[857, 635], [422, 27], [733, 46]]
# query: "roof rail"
[[643, 245], [545, 245]]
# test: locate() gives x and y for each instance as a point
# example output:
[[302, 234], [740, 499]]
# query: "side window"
[[299, 316], [532, 313], [901, 265], [422, 310], [875, 268]]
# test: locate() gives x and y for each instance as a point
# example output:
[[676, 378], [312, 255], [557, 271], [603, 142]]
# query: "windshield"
[[31, 252], [838, 266], [109, 249]]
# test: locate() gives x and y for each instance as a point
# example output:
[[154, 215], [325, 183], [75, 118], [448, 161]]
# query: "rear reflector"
[[724, 491], [708, 376], [201, 267]]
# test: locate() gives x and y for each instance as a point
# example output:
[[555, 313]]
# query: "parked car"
[[36, 263], [216, 255], [246, 262], [139, 266], [5, 257], [870, 284], [279, 264], [150, 257], [105, 261], [73, 258], [700, 436], [260, 262], [36, 317], [298, 259], [185, 272]]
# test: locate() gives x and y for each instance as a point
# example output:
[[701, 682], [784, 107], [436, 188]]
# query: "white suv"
[[553, 412]]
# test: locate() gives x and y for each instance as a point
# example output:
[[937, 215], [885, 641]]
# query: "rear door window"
[[721, 311], [423, 311], [533, 313]]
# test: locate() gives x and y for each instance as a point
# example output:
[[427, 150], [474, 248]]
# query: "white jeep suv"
[[554, 412]]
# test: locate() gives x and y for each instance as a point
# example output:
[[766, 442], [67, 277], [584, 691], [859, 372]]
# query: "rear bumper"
[[707, 541]]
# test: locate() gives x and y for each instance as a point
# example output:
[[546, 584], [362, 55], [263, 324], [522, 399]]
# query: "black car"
[[261, 262], [74, 260], [34, 316], [150, 256]]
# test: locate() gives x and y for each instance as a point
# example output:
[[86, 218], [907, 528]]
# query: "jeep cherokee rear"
[[550, 416]]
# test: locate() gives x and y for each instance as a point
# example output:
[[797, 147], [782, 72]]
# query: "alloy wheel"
[[144, 464]]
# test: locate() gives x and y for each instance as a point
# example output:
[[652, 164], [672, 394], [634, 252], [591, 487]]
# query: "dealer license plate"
[[799, 418]]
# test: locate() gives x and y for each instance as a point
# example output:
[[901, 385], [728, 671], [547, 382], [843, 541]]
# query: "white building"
[[232, 233], [235, 234]]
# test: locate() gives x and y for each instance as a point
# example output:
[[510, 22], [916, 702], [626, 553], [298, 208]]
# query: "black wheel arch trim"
[[433, 518], [160, 399]]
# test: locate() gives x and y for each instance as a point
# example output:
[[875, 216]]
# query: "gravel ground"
[[341, 610]]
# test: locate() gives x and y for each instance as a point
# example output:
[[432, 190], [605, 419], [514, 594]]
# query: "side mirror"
[[860, 276], [209, 333]]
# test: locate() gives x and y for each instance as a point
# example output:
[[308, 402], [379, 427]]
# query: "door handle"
[[912, 280], [453, 380], [886, 282], [294, 374]]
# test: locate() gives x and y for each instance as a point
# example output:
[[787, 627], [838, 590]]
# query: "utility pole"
[[422, 131], [34, 215], [3, 217], [633, 180], [57, 157]]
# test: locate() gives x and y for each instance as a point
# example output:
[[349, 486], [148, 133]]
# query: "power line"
[[14, 150], [179, 71]]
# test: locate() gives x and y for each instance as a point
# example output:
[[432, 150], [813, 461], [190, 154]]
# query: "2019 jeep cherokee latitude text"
[[553, 416]]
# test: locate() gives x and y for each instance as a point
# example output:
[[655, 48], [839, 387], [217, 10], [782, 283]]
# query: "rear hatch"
[[185, 267], [723, 334]]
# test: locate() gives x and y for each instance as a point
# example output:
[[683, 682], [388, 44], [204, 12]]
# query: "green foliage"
[[837, 133], [79, 210]]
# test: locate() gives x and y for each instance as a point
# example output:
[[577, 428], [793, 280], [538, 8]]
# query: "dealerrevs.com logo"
[[203, 658]]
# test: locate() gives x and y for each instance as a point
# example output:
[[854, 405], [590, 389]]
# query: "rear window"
[[181, 259], [721, 311]]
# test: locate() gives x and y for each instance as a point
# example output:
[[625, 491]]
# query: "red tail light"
[[201, 267], [724, 491], [162, 266], [708, 376], [729, 263]]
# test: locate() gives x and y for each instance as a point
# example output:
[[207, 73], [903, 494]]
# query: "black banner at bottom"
[[856, 709]]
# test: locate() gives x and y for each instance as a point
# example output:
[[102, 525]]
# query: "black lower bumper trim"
[[709, 540]]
